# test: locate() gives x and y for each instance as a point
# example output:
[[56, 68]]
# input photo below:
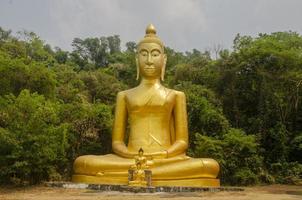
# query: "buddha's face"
[[150, 60]]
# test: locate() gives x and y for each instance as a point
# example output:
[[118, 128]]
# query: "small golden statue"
[[139, 175], [140, 160], [157, 121]]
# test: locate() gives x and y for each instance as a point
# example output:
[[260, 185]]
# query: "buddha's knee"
[[83, 165], [210, 167]]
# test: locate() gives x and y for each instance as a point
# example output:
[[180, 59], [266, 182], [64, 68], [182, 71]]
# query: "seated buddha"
[[156, 118]]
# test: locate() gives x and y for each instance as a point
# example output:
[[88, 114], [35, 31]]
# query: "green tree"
[[114, 44], [204, 111], [19, 76], [131, 46]]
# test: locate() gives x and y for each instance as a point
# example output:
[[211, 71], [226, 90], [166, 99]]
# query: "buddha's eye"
[[155, 53], [144, 53]]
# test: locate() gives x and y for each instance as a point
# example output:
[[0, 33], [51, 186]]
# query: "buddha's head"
[[150, 58], [140, 152]]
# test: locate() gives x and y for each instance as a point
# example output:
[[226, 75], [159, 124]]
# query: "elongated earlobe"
[[162, 77], [163, 69], [137, 69]]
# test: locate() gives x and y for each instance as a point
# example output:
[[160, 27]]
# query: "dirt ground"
[[272, 192]]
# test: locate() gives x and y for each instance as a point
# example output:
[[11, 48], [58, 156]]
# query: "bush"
[[287, 173], [240, 152], [236, 153], [245, 177], [208, 147], [33, 142]]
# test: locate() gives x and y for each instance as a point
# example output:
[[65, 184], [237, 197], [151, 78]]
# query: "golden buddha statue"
[[157, 121]]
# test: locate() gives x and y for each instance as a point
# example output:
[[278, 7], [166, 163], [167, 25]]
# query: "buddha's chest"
[[152, 101]]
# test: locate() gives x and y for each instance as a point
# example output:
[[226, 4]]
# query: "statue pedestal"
[[136, 181], [124, 188], [196, 182]]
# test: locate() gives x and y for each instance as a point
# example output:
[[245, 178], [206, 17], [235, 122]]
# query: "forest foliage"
[[244, 106]]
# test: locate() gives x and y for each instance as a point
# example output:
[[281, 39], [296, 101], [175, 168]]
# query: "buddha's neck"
[[149, 82]]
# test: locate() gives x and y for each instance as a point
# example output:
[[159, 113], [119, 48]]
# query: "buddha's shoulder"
[[126, 92], [172, 92], [176, 92]]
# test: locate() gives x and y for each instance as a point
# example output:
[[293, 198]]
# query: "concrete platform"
[[193, 182], [125, 188]]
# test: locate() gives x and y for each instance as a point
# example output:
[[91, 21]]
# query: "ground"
[[272, 192]]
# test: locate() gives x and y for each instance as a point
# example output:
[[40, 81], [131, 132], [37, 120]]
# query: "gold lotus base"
[[196, 182]]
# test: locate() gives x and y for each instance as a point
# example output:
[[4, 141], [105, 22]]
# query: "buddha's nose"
[[149, 60]]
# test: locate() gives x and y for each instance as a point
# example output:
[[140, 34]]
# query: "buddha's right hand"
[[120, 149]]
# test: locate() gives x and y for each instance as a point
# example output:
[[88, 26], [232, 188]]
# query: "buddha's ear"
[[163, 69], [137, 68]]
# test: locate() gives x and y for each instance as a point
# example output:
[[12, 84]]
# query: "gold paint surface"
[[157, 118]]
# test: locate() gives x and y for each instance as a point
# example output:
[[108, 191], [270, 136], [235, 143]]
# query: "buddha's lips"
[[149, 68]]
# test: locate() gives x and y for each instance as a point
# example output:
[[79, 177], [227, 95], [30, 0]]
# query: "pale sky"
[[181, 24]]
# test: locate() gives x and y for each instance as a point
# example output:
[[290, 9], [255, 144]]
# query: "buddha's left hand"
[[159, 154]]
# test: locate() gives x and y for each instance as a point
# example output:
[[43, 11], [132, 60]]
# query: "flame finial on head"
[[150, 30], [151, 37]]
